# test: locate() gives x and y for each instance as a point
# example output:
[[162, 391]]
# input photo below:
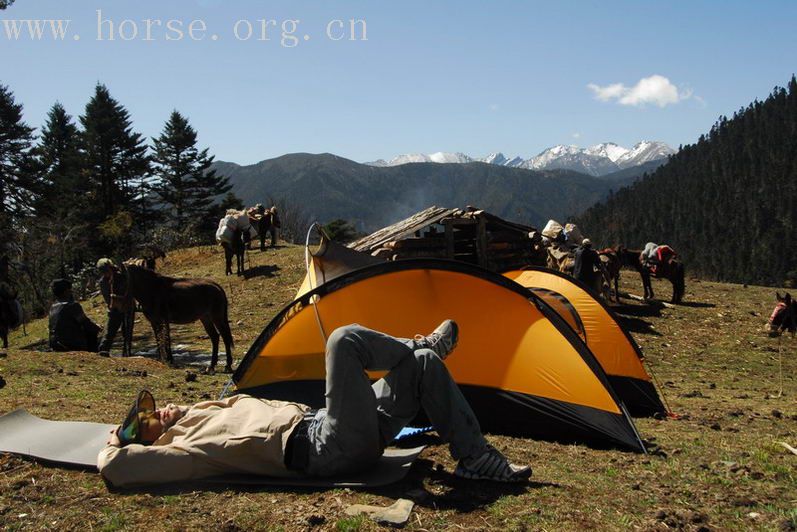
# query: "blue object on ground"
[[406, 432]]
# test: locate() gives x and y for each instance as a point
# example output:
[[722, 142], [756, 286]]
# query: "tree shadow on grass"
[[637, 325], [650, 310], [696, 304], [261, 271]]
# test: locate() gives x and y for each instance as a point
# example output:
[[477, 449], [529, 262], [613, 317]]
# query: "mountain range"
[[327, 187], [598, 160]]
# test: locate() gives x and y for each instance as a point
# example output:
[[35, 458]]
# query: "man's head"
[[105, 267], [260, 208], [62, 289], [153, 425], [587, 243], [144, 423]]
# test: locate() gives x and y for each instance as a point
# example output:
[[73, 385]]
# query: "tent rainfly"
[[521, 366]]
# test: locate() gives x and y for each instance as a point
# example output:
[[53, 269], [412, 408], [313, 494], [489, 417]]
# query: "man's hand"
[[114, 438]]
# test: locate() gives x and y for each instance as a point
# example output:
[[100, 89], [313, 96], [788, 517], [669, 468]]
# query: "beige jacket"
[[241, 434]]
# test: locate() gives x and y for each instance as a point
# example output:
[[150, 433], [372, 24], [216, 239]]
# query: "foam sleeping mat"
[[77, 443]]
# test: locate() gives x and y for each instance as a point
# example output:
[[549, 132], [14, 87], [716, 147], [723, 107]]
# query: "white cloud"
[[656, 90], [494, 107], [576, 135]]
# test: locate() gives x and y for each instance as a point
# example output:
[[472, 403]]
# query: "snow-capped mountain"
[[610, 150], [644, 152], [597, 160], [439, 157], [573, 158]]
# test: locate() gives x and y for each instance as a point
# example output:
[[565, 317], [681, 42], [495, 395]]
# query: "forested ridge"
[[725, 203]]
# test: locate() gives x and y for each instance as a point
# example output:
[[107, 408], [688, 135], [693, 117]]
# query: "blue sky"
[[476, 77]]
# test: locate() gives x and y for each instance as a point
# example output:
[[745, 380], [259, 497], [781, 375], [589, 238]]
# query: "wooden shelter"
[[469, 235]]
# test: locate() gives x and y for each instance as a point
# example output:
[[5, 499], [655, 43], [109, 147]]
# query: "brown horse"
[[166, 300], [673, 271]]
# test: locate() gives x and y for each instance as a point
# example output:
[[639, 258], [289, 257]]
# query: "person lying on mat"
[[244, 434]]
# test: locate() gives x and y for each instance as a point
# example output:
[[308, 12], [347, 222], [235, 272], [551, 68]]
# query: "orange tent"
[[596, 324], [520, 365]]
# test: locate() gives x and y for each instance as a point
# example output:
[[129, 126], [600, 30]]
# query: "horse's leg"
[[127, 333], [645, 283], [157, 330], [223, 326], [227, 260], [213, 334], [167, 341]]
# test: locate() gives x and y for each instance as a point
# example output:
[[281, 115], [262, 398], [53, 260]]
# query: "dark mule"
[[784, 315], [672, 270], [237, 249], [166, 300]]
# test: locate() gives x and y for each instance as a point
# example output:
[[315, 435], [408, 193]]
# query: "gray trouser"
[[116, 320], [360, 420]]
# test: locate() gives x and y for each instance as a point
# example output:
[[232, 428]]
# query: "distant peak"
[[598, 159]]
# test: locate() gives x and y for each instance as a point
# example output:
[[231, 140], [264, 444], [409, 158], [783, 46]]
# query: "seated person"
[[70, 328], [244, 434]]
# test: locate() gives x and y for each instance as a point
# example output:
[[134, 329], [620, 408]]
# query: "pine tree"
[[187, 184], [64, 205], [18, 185], [62, 165], [116, 156]]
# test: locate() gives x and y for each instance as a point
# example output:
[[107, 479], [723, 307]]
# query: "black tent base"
[[640, 397], [501, 412]]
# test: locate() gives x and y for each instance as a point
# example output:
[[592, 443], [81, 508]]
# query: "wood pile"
[[469, 235]]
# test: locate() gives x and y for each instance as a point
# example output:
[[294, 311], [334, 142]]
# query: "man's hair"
[[61, 287]]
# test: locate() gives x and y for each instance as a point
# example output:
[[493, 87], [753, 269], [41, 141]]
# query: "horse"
[[611, 271], [672, 270], [166, 300], [235, 248], [784, 316]]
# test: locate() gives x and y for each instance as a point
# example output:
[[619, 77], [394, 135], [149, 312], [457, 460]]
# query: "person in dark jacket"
[[70, 328], [115, 317], [586, 266]]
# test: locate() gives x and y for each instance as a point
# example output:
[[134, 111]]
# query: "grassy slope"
[[720, 460]]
